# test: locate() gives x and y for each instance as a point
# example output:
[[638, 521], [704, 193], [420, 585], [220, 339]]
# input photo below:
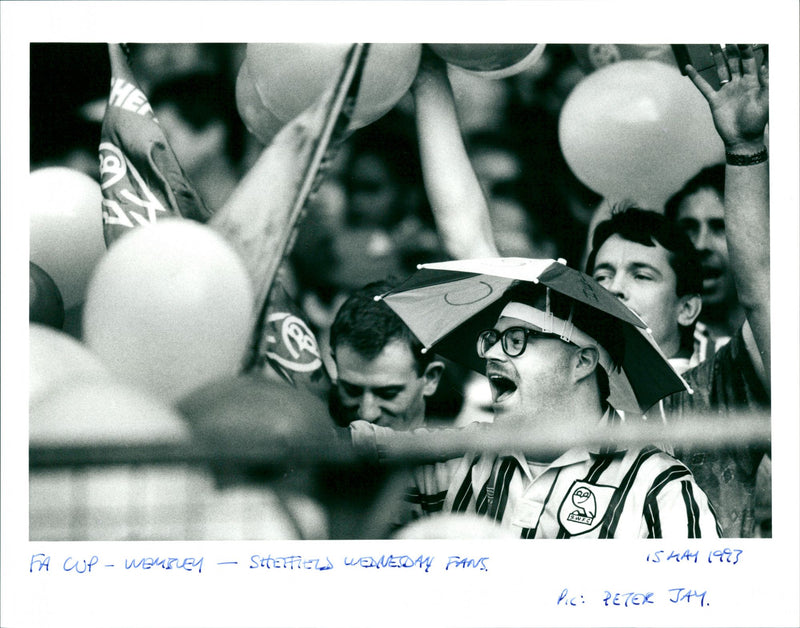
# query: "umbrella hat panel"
[[548, 272], [432, 309], [446, 305], [648, 376], [581, 287]]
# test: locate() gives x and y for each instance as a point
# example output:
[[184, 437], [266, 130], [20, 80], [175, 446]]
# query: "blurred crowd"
[[370, 218]]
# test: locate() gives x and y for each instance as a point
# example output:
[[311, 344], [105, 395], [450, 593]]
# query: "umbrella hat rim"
[[549, 272], [448, 328]]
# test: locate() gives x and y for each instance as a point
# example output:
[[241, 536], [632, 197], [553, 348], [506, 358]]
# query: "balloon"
[[291, 77], [57, 360], [45, 304], [104, 413], [637, 130], [494, 61], [66, 223], [247, 412], [170, 308], [258, 120]]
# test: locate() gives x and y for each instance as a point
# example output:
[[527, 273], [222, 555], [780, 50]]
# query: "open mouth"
[[502, 387], [711, 272]]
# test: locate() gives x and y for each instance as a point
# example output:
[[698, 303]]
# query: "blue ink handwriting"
[[467, 563], [390, 561], [726, 555], [289, 562], [687, 595], [570, 601], [628, 599], [187, 564]]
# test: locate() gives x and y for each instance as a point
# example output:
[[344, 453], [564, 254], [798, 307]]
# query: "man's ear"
[[585, 360], [433, 373], [689, 309]]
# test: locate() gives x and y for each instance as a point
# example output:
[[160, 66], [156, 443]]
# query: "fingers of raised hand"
[[721, 61], [699, 82]]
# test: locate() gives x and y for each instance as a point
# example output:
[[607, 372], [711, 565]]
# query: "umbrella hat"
[[447, 304]]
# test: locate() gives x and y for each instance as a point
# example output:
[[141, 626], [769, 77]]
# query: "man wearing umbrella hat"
[[560, 352]]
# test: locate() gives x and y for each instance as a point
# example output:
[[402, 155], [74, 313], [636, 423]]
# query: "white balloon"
[[104, 413], [290, 77], [637, 130], [170, 308], [58, 360], [66, 228]]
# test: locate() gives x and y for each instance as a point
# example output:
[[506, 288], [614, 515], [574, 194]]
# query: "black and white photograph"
[[311, 318]]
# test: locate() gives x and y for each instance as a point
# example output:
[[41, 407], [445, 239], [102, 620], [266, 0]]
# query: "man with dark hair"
[[653, 268], [698, 209], [382, 375], [382, 378]]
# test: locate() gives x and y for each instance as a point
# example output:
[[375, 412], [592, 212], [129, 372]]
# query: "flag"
[[288, 345], [141, 179], [260, 217]]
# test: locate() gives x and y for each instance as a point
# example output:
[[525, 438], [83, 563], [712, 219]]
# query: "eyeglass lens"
[[513, 340]]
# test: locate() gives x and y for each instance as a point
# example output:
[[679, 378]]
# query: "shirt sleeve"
[[679, 509]]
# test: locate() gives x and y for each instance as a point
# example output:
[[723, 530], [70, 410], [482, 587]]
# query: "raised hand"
[[740, 107]]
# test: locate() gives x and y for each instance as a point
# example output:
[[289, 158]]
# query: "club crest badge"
[[584, 506]]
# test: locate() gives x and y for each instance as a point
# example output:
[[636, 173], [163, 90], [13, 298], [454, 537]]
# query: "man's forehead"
[[395, 361], [619, 252], [705, 203], [504, 322]]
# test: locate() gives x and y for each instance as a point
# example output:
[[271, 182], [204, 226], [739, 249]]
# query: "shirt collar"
[[609, 419]]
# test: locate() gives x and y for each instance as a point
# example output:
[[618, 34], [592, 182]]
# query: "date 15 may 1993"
[[726, 555]]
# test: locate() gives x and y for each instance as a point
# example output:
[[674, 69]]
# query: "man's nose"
[[701, 238], [369, 409], [495, 352], [619, 286]]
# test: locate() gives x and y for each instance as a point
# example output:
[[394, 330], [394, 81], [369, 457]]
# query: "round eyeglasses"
[[513, 340]]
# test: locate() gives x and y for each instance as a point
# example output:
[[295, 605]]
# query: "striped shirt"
[[625, 494]]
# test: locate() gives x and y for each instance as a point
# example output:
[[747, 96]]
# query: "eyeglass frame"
[[502, 335]]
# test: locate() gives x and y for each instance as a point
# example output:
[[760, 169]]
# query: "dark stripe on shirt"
[[464, 494], [504, 477], [651, 510], [692, 510], [599, 466], [652, 519], [611, 520]]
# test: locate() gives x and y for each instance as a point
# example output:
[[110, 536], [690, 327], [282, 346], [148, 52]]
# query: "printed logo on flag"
[[127, 96], [123, 185], [291, 343], [584, 506]]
